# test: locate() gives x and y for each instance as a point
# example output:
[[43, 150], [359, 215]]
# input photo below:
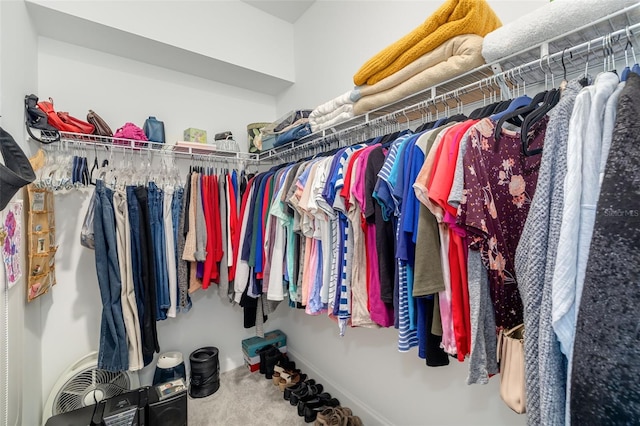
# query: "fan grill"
[[72, 395]]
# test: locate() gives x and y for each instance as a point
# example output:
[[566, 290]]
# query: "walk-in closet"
[[233, 212]]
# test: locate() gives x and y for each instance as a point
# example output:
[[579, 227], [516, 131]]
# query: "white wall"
[[228, 30], [122, 90], [18, 76], [333, 39]]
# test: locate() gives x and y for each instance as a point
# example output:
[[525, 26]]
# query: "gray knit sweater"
[[184, 303], [201, 226], [545, 366]]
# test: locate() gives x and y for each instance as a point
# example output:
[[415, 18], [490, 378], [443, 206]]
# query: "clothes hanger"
[[64, 175], [627, 69], [550, 100], [609, 59], [584, 81], [95, 166], [475, 114], [494, 104], [458, 116], [510, 106], [513, 105], [537, 99], [85, 171]]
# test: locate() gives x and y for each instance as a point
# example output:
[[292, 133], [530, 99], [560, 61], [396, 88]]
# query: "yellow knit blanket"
[[453, 18]]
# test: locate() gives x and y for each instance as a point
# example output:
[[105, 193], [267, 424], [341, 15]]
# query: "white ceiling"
[[288, 10]]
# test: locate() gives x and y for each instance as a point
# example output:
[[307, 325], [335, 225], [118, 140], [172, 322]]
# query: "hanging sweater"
[[184, 301], [545, 372]]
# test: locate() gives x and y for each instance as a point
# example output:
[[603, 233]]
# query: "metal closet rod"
[[538, 65], [130, 145]]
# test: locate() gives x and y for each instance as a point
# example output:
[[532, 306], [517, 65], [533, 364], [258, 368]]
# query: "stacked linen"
[[545, 23], [452, 58], [297, 130], [333, 112], [293, 126], [453, 18]]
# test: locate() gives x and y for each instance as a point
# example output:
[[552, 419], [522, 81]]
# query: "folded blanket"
[[333, 120], [453, 18], [546, 22], [458, 45], [467, 59], [331, 105], [347, 108]]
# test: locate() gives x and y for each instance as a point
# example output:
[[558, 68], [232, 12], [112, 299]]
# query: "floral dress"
[[499, 183]]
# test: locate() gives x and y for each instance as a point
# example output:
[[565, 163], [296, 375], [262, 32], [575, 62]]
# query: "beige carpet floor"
[[244, 399]]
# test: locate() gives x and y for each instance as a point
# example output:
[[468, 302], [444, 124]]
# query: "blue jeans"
[[160, 256], [113, 353], [176, 207], [136, 265]]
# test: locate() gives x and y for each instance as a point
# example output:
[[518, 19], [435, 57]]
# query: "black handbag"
[[35, 118], [154, 129], [222, 136]]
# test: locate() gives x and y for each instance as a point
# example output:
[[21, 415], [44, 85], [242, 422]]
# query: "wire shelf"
[[179, 149], [599, 41]]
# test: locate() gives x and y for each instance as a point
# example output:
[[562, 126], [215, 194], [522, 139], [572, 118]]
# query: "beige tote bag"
[[511, 358]]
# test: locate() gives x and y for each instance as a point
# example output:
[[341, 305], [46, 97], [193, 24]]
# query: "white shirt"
[[581, 191]]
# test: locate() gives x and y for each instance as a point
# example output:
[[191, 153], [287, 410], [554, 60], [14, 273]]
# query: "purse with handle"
[[83, 126], [154, 129], [36, 118], [511, 358], [55, 120], [101, 127]]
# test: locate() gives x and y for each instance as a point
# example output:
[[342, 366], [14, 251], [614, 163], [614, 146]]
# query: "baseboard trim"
[[369, 415]]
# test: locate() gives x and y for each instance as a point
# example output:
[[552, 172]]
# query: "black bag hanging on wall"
[[35, 118]]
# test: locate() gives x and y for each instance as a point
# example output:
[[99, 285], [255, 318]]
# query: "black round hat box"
[[205, 372]]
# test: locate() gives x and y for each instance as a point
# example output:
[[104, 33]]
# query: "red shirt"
[[233, 226], [208, 218], [439, 189]]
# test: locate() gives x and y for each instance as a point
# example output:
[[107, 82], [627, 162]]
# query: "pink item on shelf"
[[131, 132]]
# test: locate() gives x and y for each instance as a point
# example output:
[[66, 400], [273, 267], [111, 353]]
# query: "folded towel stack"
[[332, 112], [546, 22], [454, 17]]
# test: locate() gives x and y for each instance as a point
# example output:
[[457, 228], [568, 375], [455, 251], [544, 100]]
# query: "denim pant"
[[113, 351], [147, 272], [176, 207], [157, 232], [136, 267]]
